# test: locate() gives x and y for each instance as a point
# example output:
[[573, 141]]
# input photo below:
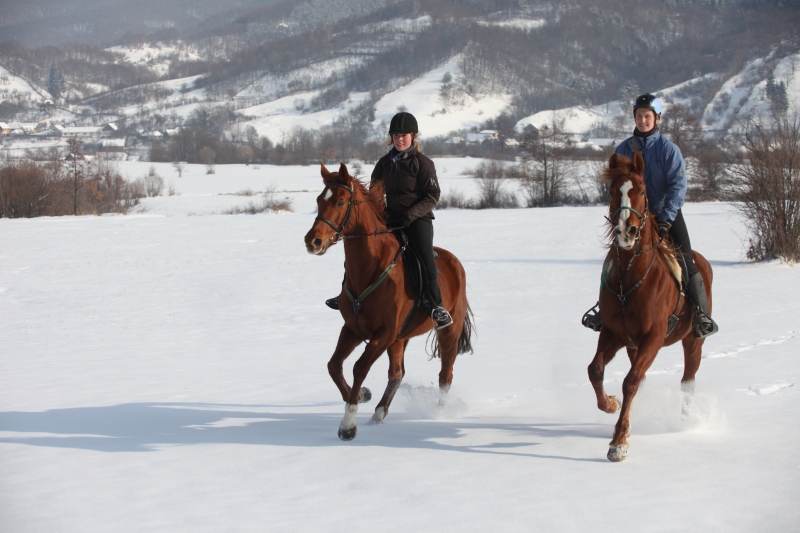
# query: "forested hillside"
[[282, 68]]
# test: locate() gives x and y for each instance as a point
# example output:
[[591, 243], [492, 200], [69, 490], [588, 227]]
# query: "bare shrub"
[[27, 189], [153, 183], [268, 203], [455, 199], [766, 182], [490, 177]]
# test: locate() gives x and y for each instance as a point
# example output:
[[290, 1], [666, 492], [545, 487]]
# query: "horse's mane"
[[374, 196]]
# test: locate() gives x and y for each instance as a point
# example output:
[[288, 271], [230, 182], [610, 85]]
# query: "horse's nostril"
[[631, 231], [317, 242], [618, 231]]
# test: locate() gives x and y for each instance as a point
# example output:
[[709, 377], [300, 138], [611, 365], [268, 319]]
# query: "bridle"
[[337, 230]]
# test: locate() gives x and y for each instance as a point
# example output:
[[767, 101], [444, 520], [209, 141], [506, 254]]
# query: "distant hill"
[[284, 67]]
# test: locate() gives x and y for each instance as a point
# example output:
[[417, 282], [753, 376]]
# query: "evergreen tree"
[[56, 85]]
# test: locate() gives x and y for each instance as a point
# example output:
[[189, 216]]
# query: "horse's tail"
[[465, 340]]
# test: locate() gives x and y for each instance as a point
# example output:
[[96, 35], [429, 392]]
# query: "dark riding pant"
[[680, 237], [420, 237]]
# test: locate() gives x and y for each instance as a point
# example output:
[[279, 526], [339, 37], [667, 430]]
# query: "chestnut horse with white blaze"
[[642, 307], [348, 211]]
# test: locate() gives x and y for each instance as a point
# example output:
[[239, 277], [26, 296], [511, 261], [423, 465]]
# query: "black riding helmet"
[[647, 101], [403, 122]]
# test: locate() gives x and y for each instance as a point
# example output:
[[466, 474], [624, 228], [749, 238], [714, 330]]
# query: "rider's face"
[[646, 119], [401, 141]]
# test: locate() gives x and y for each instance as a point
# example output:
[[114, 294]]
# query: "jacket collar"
[[397, 156]]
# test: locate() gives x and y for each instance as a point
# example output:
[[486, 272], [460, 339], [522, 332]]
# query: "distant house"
[[531, 131], [82, 131], [25, 128], [454, 140], [111, 148], [604, 143], [5, 129], [109, 130], [481, 136]]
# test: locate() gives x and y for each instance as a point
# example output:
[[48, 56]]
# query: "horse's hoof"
[[615, 404], [365, 395], [377, 418], [348, 434], [617, 453]]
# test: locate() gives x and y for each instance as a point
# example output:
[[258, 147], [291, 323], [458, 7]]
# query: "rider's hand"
[[663, 228]]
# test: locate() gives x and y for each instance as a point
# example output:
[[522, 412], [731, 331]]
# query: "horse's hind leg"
[[348, 340], [692, 354], [397, 370], [607, 347]]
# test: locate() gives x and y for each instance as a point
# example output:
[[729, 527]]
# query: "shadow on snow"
[[142, 427]]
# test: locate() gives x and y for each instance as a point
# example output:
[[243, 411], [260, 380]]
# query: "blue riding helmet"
[[647, 101]]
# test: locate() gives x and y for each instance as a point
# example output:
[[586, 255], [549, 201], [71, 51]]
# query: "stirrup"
[[333, 303], [591, 318], [441, 317], [703, 325]]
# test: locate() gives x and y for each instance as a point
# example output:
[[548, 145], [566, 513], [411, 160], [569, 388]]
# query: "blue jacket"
[[664, 174]]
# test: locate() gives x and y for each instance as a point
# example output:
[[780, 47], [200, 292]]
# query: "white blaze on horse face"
[[328, 195], [624, 214]]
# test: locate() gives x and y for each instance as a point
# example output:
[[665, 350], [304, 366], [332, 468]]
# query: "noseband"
[[338, 230]]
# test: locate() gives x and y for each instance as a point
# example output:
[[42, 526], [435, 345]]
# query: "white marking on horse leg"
[[328, 195], [349, 420], [380, 414]]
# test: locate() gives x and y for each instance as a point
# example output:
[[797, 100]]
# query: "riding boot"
[[702, 325], [439, 314]]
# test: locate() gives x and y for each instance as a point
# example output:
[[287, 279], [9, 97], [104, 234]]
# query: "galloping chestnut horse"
[[642, 307], [348, 211]]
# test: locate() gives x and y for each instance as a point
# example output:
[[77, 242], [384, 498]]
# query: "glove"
[[663, 228], [404, 221]]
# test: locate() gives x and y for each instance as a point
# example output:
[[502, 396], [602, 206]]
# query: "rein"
[[623, 295], [338, 236]]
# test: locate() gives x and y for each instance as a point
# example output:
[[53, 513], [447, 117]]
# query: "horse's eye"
[[641, 193], [340, 204]]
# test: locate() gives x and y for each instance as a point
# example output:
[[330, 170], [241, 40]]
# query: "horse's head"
[[334, 206], [627, 198]]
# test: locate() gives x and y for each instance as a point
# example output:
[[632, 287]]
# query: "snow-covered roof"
[[83, 129], [604, 142], [106, 143]]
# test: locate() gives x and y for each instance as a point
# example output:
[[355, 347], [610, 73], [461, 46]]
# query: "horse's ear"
[[638, 163], [326, 176], [614, 161], [343, 171]]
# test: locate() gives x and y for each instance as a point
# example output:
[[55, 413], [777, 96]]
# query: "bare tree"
[[179, 167], [546, 165], [76, 168], [767, 186]]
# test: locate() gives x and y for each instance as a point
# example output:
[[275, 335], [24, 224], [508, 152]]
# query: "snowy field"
[[167, 372]]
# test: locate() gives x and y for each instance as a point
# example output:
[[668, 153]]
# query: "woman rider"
[[412, 191], [665, 181]]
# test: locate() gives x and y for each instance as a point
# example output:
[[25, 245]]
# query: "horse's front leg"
[[648, 349], [397, 370], [348, 340], [376, 346], [607, 347]]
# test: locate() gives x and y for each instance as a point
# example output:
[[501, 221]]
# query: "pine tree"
[[56, 85]]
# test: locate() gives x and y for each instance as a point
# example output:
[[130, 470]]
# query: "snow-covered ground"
[[164, 372]]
